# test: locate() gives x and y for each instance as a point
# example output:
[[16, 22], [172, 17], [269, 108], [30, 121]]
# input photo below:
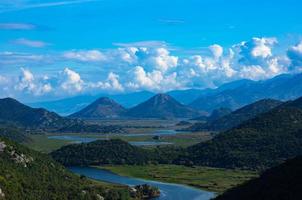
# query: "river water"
[[168, 191]]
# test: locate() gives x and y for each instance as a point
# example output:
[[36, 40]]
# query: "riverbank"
[[168, 191], [211, 179]]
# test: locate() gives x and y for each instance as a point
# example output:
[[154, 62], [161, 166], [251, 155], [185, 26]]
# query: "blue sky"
[[54, 47]]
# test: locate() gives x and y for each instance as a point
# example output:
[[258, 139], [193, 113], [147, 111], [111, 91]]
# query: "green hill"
[[161, 106], [237, 117], [13, 132], [283, 182], [258, 143], [102, 108], [14, 112], [26, 174], [113, 152]]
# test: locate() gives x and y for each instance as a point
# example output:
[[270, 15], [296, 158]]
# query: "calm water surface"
[[168, 191], [82, 139]]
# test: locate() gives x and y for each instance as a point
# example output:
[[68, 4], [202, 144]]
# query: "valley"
[[200, 155]]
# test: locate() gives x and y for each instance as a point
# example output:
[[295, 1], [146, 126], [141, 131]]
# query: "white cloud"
[[72, 82], [30, 43], [295, 55], [85, 56], [29, 84], [162, 60], [217, 50], [153, 68], [256, 50], [111, 84], [16, 26]]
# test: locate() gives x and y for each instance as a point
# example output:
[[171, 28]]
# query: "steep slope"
[[14, 112], [258, 143], [283, 182], [26, 174], [102, 108], [237, 117], [161, 106], [240, 93], [13, 133]]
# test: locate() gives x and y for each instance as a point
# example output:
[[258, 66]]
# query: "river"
[[168, 191]]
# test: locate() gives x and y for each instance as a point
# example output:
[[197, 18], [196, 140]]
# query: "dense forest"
[[282, 182], [259, 143], [26, 174], [227, 121], [41, 120], [114, 152]]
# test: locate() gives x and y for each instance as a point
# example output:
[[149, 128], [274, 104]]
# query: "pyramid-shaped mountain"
[[102, 108], [162, 106]]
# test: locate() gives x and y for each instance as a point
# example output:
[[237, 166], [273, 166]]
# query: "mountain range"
[[102, 108], [39, 119], [258, 143], [240, 93], [226, 121], [231, 95], [160, 106]]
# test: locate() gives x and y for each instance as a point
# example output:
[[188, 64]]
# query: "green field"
[[43, 144], [211, 179]]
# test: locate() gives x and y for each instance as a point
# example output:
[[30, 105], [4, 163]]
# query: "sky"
[[53, 49]]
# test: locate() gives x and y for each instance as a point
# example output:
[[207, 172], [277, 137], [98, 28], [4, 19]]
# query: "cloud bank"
[[147, 66]]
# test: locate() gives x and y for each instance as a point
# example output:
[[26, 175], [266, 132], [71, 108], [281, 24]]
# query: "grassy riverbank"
[[211, 179]]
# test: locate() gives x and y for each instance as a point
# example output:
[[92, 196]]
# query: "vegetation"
[[212, 179], [14, 112], [114, 151], [162, 106], [13, 133], [26, 174], [43, 144], [145, 192], [259, 143], [227, 121], [102, 108], [278, 183]]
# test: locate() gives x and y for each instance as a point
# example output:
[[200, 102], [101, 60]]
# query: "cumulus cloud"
[[154, 68], [295, 55], [154, 80], [111, 84], [85, 56], [162, 60], [256, 49], [71, 81], [29, 84], [217, 50]]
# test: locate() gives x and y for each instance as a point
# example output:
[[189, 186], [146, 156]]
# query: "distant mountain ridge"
[[102, 108], [162, 106], [240, 93], [232, 95], [237, 117]]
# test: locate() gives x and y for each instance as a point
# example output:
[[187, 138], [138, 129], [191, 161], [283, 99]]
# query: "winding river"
[[168, 191]]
